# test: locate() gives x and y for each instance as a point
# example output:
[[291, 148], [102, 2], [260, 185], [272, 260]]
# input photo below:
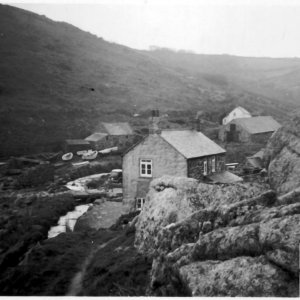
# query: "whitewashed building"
[[238, 112]]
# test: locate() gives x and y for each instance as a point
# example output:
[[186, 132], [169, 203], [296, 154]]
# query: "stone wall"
[[261, 138], [196, 166]]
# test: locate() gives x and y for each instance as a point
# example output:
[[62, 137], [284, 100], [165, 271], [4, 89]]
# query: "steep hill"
[[57, 82]]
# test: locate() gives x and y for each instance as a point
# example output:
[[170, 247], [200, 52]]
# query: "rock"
[[282, 157], [180, 198], [99, 201], [241, 276], [255, 237]]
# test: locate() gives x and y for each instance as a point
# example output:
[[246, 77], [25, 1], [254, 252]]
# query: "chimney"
[[197, 124], [154, 122]]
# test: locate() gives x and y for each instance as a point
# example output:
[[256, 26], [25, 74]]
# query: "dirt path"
[[76, 283], [102, 215]]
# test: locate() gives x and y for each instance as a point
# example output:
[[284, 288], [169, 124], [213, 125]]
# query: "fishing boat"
[[90, 155], [82, 152], [108, 150], [67, 156]]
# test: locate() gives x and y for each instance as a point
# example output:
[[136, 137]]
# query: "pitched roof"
[[260, 153], [76, 142], [255, 162], [190, 143], [257, 124], [97, 136], [243, 110], [120, 128]]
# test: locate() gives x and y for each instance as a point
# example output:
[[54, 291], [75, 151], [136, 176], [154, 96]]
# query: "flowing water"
[[68, 221]]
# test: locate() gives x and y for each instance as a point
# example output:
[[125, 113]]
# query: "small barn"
[[254, 129], [109, 135], [96, 140], [187, 153], [74, 145], [238, 112]]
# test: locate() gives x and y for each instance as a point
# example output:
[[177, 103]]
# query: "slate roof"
[[256, 125], [120, 128], [260, 153], [95, 137], [76, 142], [191, 144], [255, 162], [243, 110]]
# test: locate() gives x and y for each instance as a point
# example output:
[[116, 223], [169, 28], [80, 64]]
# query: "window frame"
[[146, 162], [205, 167], [140, 202], [213, 164]]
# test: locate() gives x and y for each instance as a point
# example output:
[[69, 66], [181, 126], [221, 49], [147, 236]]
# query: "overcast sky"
[[238, 27]]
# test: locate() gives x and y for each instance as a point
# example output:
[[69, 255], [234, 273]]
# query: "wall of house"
[[236, 113], [165, 161], [242, 135], [196, 166], [261, 138]]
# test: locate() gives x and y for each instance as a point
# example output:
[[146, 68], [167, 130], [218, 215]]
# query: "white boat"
[[79, 164], [90, 155], [108, 150], [67, 156], [82, 152]]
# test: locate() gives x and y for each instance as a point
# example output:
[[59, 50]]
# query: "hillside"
[[58, 82]]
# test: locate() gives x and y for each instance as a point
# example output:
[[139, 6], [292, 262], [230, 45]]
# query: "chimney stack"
[[154, 121], [197, 124]]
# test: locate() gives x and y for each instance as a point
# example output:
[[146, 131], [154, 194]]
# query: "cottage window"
[[213, 164], [140, 203], [146, 168], [205, 167]]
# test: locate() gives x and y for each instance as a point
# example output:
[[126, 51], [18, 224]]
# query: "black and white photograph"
[[149, 148]]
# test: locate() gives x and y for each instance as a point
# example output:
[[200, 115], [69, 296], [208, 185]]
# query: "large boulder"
[[282, 157], [174, 199], [241, 276], [212, 240]]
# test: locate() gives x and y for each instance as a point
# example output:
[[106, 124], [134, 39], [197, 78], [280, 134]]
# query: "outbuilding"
[[107, 135], [254, 129], [238, 112]]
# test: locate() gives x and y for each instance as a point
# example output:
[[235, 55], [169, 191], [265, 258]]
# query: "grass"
[[58, 82]]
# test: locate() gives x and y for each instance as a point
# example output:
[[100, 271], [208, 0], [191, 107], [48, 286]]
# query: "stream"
[[68, 221]]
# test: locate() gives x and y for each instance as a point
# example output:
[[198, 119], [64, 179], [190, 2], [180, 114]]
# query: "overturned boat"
[[67, 156], [90, 155]]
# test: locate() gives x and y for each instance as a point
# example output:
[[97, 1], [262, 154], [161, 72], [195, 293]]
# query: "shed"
[[107, 135], [96, 139], [255, 129], [74, 145]]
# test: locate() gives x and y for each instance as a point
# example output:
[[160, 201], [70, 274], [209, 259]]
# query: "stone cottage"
[[109, 135], [187, 153], [255, 129], [238, 112]]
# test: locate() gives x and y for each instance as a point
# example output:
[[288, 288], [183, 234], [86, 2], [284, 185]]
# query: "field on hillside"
[[58, 82]]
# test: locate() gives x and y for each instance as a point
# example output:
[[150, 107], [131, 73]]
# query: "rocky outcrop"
[[175, 202], [210, 240], [282, 157]]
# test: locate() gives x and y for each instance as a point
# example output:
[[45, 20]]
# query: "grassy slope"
[[57, 82]]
